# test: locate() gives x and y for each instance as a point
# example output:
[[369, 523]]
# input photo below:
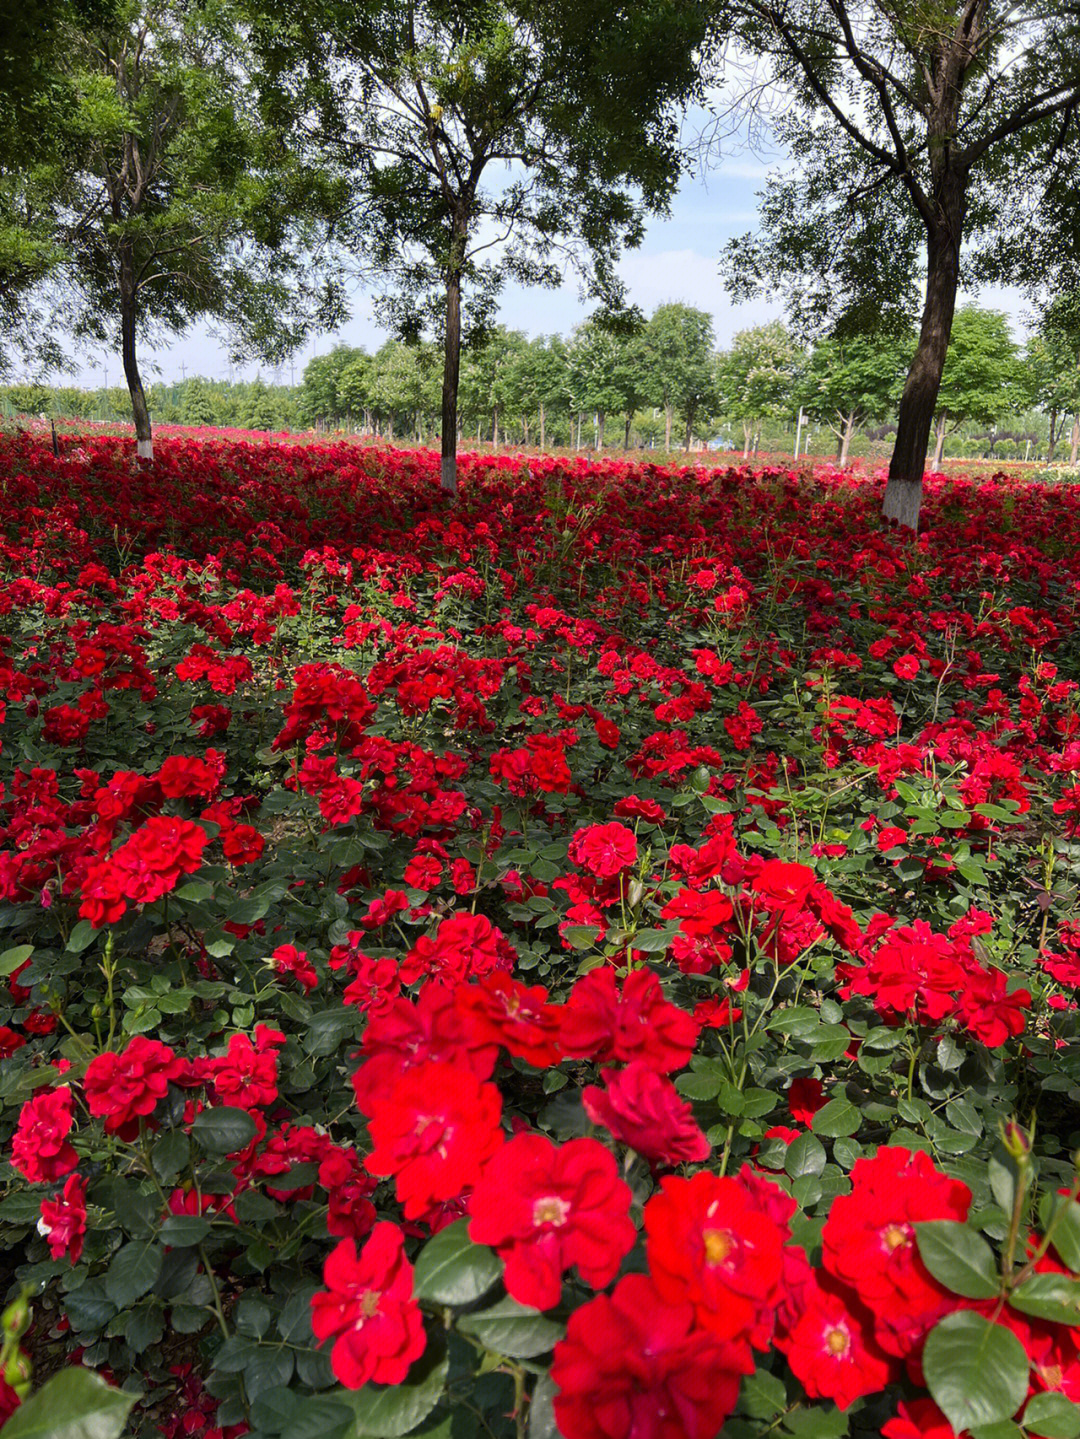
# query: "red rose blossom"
[[545, 1208], [368, 1309]]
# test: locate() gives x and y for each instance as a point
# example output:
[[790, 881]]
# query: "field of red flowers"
[[597, 958]]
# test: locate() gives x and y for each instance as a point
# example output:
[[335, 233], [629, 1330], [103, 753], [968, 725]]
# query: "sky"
[[678, 260]]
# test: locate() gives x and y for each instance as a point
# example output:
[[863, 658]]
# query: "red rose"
[[711, 1246], [122, 1087], [604, 1023], [605, 850], [832, 1352], [545, 1208], [643, 1110], [869, 1242], [369, 1310], [39, 1147], [246, 1076], [805, 1098], [634, 1367], [501, 1010], [433, 1129], [63, 1220]]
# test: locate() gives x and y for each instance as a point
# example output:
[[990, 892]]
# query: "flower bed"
[[599, 958]]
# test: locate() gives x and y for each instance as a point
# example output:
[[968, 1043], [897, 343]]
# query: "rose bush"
[[599, 958]]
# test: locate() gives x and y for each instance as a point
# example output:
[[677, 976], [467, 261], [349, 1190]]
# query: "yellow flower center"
[[718, 1245]]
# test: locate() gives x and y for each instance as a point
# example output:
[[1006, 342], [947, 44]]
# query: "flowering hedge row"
[[596, 959]]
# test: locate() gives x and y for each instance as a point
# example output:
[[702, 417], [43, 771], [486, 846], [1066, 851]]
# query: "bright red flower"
[[124, 1087], [545, 1208], [501, 1010], [465, 946], [39, 1147], [246, 1075], [290, 960], [433, 1130], [605, 850], [869, 1241], [642, 1109], [918, 1419], [832, 1352], [634, 1367], [368, 1309], [610, 1025], [709, 1244], [63, 1220]]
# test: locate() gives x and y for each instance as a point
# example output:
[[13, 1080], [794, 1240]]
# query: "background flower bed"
[[559, 961]]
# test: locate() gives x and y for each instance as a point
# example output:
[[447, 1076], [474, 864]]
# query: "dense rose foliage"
[[542, 959]]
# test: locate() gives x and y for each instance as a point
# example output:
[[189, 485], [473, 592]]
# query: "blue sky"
[[677, 260]]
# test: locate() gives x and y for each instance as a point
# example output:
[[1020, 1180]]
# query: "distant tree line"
[[653, 386]]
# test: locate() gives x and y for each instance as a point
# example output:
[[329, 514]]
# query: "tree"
[[321, 400], [913, 124], [261, 409], [982, 379], [594, 358], [758, 377], [480, 136], [1053, 365], [678, 348], [402, 385], [173, 201], [853, 382], [197, 403], [490, 377], [551, 377]]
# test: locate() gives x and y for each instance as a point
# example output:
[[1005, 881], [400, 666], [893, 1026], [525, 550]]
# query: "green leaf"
[[74, 1404], [762, 1395], [1054, 1297], [81, 937], [12, 958], [699, 1087], [541, 1413], [958, 1258], [451, 1269], [224, 1130], [654, 941], [273, 1409], [1063, 1213], [181, 1231], [513, 1329], [133, 1272], [977, 1372], [1052, 1416], [838, 1117], [386, 1412], [580, 936], [805, 1155]]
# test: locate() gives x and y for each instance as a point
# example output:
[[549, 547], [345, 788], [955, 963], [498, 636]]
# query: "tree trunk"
[[667, 428], [748, 435], [451, 374], [144, 438], [903, 493], [601, 420], [939, 441], [1074, 452], [495, 427], [543, 427], [1052, 446], [626, 429]]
